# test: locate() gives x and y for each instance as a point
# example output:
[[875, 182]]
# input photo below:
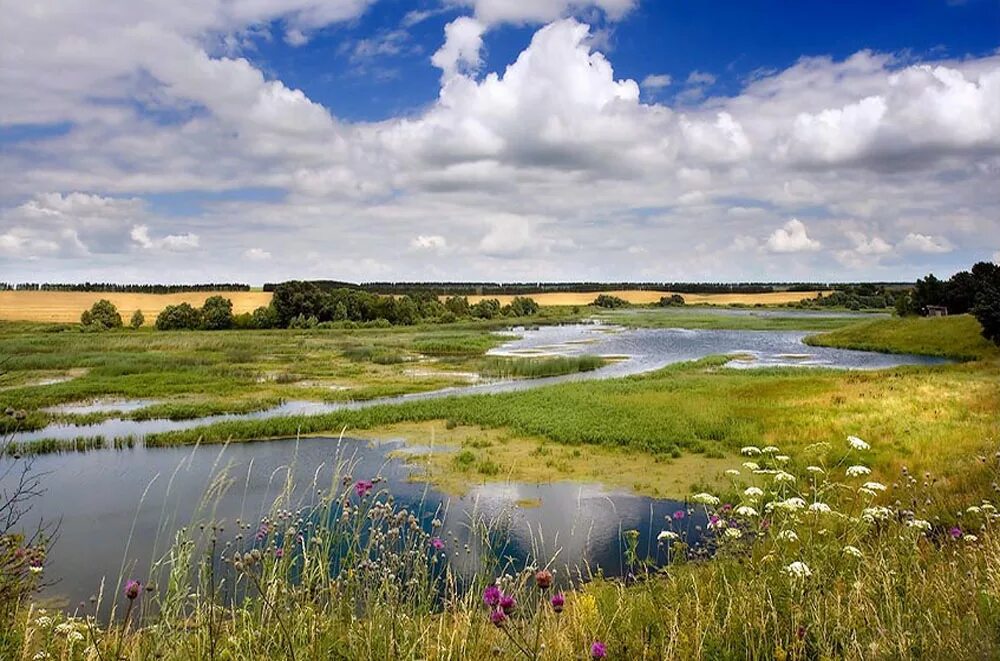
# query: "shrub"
[[610, 302], [669, 301], [103, 315], [178, 317], [217, 313], [138, 319]]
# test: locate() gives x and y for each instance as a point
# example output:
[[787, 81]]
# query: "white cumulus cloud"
[[792, 237]]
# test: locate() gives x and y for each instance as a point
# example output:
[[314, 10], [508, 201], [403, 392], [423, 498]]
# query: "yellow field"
[[641, 297], [66, 306]]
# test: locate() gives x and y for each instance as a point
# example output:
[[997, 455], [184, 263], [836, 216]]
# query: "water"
[[643, 350], [118, 509]]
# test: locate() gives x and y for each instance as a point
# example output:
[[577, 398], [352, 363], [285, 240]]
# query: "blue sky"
[[629, 139]]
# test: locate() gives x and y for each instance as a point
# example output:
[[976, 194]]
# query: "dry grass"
[[59, 306], [646, 296]]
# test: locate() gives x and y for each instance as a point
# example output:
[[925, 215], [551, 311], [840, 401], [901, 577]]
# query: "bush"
[[669, 301], [138, 319], [217, 313], [102, 315], [987, 312], [178, 317], [610, 302]]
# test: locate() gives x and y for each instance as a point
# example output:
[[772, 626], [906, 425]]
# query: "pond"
[[118, 509], [640, 350]]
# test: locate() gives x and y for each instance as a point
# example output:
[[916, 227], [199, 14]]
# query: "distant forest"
[[118, 287], [522, 288]]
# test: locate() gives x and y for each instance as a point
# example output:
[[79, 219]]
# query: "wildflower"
[[919, 523], [35, 569], [853, 551], [733, 533], [769, 449], [491, 595], [74, 637], [507, 604], [678, 515], [132, 589], [667, 534], [783, 458], [746, 510], [973, 509], [362, 487], [44, 622], [955, 532], [858, 471], [753, 492], [821, 508], [873, 486], [279, 553], [970, 538], [815, 469], [857, 444], [873, 514], [497, 617], [750, 450], [782, 476], [790, 504], [732, 472], [705, 499], [598, 650], [558, 600], [437, 543], [543, 579], [788, 536], [799, 570], [751, 465]]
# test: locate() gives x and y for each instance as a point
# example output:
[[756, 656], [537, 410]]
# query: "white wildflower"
[[74, 637], [769, 449], [919, 523], [873, 514], [791, 504], [783, 458], [751, 465], [815, 469], [798, 569], [667, 534], [704, 499], [873, 486], [750, 450], [782, 476], [788, 536], [822, 508], [746, 510], [853, 551], [973, 509], [970, 538], [733, 533], [857, 444], [732, 472], [858, 471], [753, 492], [44, 622]]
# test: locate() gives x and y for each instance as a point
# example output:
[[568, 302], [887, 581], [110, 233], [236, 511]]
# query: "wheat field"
[[640, 297], [66, 306]]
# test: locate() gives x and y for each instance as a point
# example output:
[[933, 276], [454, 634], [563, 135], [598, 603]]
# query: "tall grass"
[[812, 560], [533, 368]]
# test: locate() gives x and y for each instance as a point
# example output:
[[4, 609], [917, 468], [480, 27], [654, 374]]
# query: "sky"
[[502, 140]]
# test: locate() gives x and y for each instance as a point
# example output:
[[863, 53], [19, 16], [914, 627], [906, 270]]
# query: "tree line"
[[976, 291], [114, 287]]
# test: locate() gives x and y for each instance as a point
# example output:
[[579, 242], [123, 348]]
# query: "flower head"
[[558, 601], [753, 492], [858, 471], [853, 551], [857, 444], [678, 515], [667, 534], [705, 499], [497, 617], [798, 570], [746, 510], [507, 603], [133, 589], [362, 487], [543, 579], [955, 532], [750, 450], [598, 650], [491, 595], [437, 543]]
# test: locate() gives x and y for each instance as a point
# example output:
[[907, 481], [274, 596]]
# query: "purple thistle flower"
[[362, 487], [955, 532], [437, 543], [598, 650], [491, 595], [132, 590], [507, 604], [678, 515], [558, 601], [497, 617], [279, 553]]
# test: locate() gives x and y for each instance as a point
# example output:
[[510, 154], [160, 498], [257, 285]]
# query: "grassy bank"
[[535, 368], [702, 317], [955, 337]]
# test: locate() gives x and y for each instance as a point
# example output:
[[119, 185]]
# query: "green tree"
[[217, 313], [102, 314], [987, 311], [264, 317], [138, 319], [606, 301], [178, 317]]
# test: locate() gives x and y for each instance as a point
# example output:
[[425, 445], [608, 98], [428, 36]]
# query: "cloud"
[[432, 242], [171, 242], [460, 52], [925, 243], [656, 81], [492, 12], [865, 245], [256, 255], [791, 237], [700, 78]]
